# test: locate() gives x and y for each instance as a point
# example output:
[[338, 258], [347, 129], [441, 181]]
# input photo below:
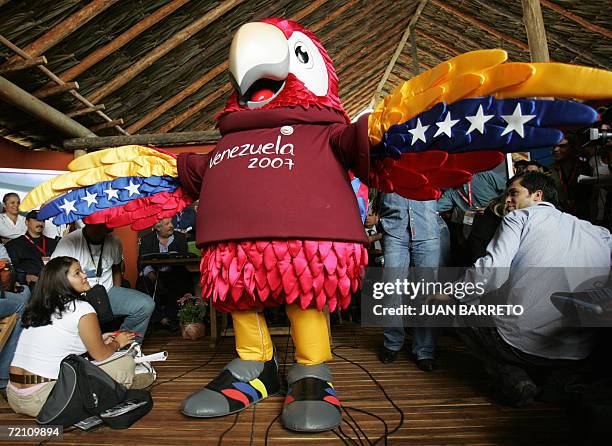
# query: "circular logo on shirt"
[[286, 130]]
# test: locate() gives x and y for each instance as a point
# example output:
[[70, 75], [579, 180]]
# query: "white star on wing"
[[132, 188], [112, 193], [68, 206], [90, 198], [418, 133], [516, 121], [477, 122], [446, 126]]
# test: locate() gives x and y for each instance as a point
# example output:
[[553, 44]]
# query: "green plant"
[[192, 309]]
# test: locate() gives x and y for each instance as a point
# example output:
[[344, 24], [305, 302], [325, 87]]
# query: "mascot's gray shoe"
[[311, 404], [240, 384]]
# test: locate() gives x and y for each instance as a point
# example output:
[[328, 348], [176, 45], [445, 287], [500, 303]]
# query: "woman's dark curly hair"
[[52, 293]]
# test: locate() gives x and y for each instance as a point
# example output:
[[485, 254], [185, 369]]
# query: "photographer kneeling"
[[56, 323]]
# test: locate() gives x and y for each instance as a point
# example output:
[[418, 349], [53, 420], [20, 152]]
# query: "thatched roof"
[[161, 65]]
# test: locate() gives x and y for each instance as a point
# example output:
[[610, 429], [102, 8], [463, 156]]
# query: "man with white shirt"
[[537, 251], [100, 256]]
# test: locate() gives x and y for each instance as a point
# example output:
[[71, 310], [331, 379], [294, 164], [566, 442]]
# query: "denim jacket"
[[399, 214]]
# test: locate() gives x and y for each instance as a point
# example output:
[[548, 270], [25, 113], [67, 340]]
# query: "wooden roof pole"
[[202, 103], [558, 39], [481, 25], [576, 18], [120, 41], [20, 98], [189, 31], [398, 51], [64, 28], [177, 98], [57, 80], [24, 64], [156, 139], [536, 34]]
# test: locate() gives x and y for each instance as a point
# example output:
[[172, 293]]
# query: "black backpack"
[[83, 390]]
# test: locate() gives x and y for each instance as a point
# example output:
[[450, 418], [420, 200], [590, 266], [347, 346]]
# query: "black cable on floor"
[[228, 429], [217, 350], [270, 427], [358, 427], [395, 406]]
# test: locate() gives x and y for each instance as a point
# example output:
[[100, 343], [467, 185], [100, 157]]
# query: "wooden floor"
[[447, 407]]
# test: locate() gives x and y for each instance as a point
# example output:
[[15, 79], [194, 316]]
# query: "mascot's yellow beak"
[[259, 63]]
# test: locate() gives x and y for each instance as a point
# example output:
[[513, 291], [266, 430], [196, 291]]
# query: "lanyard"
[[467, 199], [42, 250], [99, 268]]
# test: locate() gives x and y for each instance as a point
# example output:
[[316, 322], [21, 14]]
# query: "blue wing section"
[[486, 123], [80, 203]]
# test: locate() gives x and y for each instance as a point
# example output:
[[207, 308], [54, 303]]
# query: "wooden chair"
[[6, 328]]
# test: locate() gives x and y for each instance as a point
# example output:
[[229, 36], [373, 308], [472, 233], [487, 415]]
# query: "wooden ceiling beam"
[[106, 125], [184, 34], [55, 89], [23, 100], [202, 103], [57, 80], [439, 42], [468, 18], [576, 18], [554, 37], [64, 29], [320, 24], [155, 139], [85, 111], [23, 64], [101, 53], [178, 98], [398, 51], [307, 10]]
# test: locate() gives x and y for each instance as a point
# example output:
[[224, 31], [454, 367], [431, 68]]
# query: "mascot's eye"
[[302, 54]]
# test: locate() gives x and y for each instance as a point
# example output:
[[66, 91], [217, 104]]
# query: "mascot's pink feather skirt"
[[249, 275]]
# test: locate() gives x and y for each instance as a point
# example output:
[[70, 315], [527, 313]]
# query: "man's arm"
[[493, 269], [117, 275], [445, 202]]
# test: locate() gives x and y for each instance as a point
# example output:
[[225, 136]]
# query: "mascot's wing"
[[426, 129], [129, 185]]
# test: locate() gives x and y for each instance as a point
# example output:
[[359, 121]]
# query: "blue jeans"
[[137, 306], [12, 303], [400, 254]]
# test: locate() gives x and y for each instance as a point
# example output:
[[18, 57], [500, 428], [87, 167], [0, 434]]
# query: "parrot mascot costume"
[[278, 221]]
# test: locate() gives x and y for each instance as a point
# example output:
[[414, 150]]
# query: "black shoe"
[[386, 356], [515, 387], [427, 365]]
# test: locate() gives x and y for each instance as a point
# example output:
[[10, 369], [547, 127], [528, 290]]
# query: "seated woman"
[[57, 323]]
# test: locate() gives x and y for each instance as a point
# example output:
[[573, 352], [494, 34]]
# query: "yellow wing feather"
[[103, 165]]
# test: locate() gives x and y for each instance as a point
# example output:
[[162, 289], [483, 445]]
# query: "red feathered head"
[[278, 63]]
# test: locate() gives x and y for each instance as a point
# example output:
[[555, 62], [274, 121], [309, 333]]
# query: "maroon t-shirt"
[[278, 174]]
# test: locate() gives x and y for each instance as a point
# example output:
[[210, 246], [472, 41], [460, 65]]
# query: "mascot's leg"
[[244, 381], [311, 404]]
